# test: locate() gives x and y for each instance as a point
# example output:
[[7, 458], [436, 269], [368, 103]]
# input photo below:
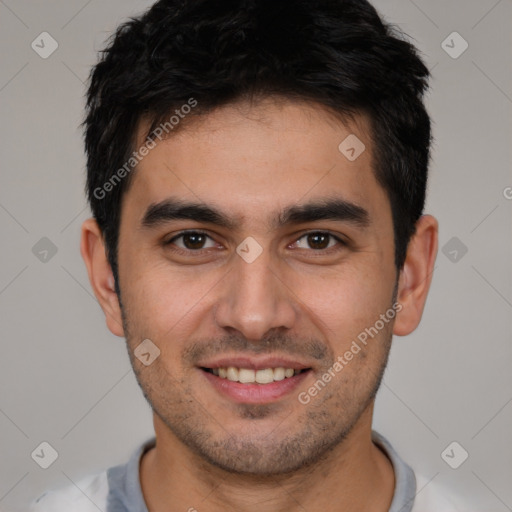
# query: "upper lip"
[[254, 363]]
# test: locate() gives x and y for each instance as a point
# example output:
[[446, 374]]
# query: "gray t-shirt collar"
[[405, 481]]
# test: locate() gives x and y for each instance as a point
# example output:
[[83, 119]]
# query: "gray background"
[[66, 380]]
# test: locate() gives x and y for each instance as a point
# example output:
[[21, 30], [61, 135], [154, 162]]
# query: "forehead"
[[255, 160]]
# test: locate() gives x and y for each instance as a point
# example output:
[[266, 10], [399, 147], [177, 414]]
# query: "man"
[[257, 175]]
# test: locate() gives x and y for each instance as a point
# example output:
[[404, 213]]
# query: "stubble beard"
[[293, 445]]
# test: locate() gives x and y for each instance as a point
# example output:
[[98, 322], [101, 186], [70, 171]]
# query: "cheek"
[[347, 302], [166, 302]]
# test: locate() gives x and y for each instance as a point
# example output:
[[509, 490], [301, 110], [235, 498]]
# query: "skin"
[[250, 161]]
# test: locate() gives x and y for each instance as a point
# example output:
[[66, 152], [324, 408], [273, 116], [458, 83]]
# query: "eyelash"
[[200, 252]]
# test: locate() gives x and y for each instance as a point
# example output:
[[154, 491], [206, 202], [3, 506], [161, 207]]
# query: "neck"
[[356, 475]]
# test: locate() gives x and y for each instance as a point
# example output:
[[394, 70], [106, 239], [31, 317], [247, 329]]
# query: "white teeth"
[[279, 373], [249, 376], [265, 376], [246, 375], [232, 373]]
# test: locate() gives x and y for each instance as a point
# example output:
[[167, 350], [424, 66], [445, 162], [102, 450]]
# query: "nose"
[[255, 299]]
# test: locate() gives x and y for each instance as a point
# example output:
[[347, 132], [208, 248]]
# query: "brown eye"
[[191, 241], [318, 240]]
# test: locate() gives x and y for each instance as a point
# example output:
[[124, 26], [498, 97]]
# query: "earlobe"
[[93, 252], [416, 275]]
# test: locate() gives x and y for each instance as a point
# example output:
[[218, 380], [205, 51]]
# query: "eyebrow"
[[335, 209]]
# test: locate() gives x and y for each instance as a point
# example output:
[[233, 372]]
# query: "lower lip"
[[255, 393]]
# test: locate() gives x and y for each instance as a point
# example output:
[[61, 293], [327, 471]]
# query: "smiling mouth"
[[250, 376]]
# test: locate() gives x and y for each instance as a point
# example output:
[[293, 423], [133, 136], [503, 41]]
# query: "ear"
[[416, 275], [93, 252]]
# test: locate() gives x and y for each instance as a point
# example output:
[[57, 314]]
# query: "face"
[[249, 241]]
